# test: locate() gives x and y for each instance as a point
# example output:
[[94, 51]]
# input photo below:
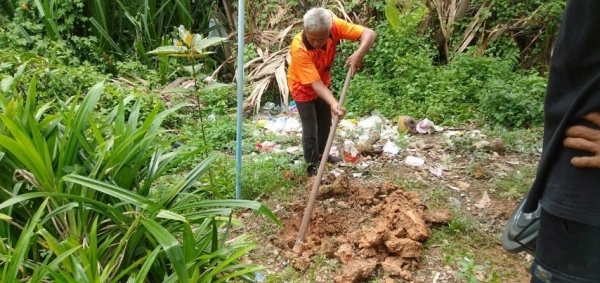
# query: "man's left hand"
[[354, 62], [587, 139]]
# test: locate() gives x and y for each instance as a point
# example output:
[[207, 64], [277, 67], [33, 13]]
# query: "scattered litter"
[[293, 108], [334, 151], [268, 107], [370, 122], [391, 147], [364, 165], [283, 124], [266, 146], [453, 133], [292, 149], [337, 172], [484, 201], [347, 124], [350, 152], [437, 171], [414, 161], [388, 133], [212, 117], [426, 126], [259, 277], [356, 175]]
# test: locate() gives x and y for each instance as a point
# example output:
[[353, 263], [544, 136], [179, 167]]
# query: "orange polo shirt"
[[308, 64]]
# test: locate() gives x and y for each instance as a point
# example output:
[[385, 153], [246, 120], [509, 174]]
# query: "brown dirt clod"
[[347, 224]]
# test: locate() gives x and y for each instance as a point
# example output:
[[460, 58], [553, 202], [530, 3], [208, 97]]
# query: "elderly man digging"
[[312, 54]]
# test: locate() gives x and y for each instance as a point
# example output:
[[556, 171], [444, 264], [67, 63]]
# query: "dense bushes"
[[400, 77]]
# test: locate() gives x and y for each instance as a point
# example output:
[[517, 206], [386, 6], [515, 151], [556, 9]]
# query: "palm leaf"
[[23, 244], [171, 247]]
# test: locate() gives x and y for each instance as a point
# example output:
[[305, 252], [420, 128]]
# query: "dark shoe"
[[311, 170], [333, 159]]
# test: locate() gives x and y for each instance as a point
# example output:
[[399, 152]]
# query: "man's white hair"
[[317, 19]]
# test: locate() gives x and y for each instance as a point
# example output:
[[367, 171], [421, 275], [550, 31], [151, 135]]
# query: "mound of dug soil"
[[365, 226]]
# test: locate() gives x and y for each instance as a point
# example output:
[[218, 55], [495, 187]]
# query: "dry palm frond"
[[339, 5], [448, 12], [276, 18], [269, 68], [473, 28]]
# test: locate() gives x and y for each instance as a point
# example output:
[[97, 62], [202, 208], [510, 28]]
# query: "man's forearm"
[[367, 39], [323, 92]]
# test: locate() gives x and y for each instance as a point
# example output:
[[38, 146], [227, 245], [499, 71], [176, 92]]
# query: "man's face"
[[317, 38]]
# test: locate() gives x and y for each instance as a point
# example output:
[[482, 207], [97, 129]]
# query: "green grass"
[[516, 184]]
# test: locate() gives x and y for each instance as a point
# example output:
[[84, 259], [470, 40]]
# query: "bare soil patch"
[[366, 226]]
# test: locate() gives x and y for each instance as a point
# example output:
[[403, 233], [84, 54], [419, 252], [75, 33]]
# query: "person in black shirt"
[[567, 183]]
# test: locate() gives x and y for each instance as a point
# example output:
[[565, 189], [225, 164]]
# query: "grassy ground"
[[466, 249]]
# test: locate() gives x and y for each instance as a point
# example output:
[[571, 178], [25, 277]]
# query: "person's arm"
[[367, 39], [324, 93]]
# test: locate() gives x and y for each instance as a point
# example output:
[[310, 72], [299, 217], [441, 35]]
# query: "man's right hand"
[[587, 139], [335, 111]]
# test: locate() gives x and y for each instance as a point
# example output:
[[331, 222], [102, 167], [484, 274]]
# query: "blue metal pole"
[[240, 97]]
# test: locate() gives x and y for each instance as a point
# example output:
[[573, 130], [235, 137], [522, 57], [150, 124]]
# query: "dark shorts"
[[567, 251]]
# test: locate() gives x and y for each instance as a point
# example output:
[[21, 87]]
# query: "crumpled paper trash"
[[426, 126], [414, 161], [283, 124], [370, 122], [391, 147]]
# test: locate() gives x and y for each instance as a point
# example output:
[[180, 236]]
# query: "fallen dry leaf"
[[484, 201], [463, 185]]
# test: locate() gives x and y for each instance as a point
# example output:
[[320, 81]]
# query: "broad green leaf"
[[45, 269], [24, 243], [117, 192], [227, 261], [21, 70], [6, 83], [170, 215], [188, 180], [169, 50], [178, 90], [149, 261], [201, 44], [141, 276], [106, 209], [193, 69], [48, 18], [213, 86], [233, 203], [23, 148], [106, 36], [57, 211], [241, 269], [189, 243], [171, 246]]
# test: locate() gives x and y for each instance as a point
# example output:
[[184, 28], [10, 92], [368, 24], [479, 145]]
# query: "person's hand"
[[587, 139], [354, 62], [335, 111]]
